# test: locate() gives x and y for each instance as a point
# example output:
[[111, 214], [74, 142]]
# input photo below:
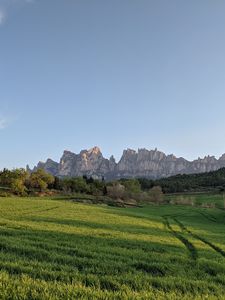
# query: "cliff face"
[[141, 163], [88, 162]]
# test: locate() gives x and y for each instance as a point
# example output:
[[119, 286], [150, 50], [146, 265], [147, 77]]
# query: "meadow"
[[56, 249]]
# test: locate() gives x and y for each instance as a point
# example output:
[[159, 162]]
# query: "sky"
[[113, 73]]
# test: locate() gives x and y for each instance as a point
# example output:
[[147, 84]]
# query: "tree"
[[75, 185], [146, 183], [116, 190], [14, 180], [132, 185], [79, 185], [97, 187], [40, 180], [18, 187], [56, 184], [156, 194]]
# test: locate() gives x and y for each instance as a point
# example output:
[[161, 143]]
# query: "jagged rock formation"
[[141, 163], [88, 162], [49, 166]]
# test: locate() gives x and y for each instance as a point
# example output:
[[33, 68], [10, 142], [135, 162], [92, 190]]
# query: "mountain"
[[141, 163]]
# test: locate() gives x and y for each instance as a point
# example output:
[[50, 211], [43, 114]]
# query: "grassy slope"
[[62, 250]]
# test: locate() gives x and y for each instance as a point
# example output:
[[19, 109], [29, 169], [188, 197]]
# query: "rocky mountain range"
[[141, 163]]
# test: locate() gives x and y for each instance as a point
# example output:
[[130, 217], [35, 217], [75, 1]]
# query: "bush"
[[116, 191], [183, 200], [156, 195]]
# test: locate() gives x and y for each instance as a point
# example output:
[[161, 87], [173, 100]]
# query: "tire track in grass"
[[196, 236], [189, 246], [208, 216]]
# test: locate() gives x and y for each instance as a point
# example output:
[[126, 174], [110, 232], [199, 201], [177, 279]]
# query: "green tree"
[[132, 185], [18, 187], [156, 195], [75, 185], [14, 180], [40, 180], [79, 185]]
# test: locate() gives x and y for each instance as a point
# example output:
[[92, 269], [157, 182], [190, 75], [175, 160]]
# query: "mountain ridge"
[[141, 163]]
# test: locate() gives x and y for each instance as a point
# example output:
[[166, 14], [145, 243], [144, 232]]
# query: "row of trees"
[[126, 189], [21, 182]]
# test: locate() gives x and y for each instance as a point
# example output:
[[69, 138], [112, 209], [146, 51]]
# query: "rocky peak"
[[95, 150], [129, 152], [67, 154], [206, 159], [222, 157], [49, 166], [112, 159], [128, 155], [141, 163]]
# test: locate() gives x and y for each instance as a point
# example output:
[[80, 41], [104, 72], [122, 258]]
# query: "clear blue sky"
[[112, 73]]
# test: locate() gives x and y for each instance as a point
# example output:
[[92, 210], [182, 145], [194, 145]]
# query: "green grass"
[[55, 249]]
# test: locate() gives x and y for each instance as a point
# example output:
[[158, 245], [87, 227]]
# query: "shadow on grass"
[[129, 228], [40, 253]]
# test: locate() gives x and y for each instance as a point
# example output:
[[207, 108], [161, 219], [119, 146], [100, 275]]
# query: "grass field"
[[62, 250]]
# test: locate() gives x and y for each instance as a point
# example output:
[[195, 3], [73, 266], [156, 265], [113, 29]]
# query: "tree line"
[[23, 183], [181, 183]]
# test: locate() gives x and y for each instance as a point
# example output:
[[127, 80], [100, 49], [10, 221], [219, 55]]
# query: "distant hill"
[[142, 163], [202, 182]]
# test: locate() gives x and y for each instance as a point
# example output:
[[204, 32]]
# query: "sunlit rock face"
[[141, 163]]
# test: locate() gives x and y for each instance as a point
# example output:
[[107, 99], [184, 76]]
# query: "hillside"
[[63, 250], [208, 181]]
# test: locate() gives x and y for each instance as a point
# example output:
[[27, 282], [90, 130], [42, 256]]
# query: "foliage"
[[40, 180], [18, 187], [116, 191], [20, 182], [75, 185], [185, 183], [14, 180], [131, 185], [156, 195]]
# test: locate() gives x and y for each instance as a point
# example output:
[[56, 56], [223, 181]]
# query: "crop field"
[[56, 249]]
